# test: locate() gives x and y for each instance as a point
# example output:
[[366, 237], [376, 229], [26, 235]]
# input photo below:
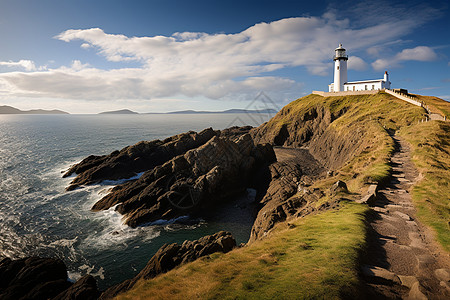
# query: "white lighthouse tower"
[[341, 84], [340, 69]]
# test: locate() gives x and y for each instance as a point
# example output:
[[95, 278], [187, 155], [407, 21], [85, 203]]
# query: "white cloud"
[[197, 64], [77, 65], [356, 63], [28, 65], [420, 53]]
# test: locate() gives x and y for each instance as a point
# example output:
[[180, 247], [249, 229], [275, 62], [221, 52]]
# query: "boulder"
[[171, 255], [32, 278], [338, 186]]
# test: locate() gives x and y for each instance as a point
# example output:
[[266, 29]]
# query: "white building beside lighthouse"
[[341, 84]]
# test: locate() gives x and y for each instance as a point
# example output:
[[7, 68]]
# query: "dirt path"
[[403, 261]]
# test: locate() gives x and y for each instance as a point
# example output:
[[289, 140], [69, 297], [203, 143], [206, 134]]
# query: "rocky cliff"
[[312, 127], [133, 159], [184, 173]]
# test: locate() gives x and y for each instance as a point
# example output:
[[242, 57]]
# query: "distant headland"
[[119, 112], [5, 109], [228, 111]]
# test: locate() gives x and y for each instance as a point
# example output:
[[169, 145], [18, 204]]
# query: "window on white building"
[[373, 86], [353, 87], [365, 87]]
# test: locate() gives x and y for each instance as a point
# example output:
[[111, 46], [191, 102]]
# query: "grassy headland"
[[361, 146]]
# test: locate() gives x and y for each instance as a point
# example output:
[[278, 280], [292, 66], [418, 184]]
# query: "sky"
[[168, 55]]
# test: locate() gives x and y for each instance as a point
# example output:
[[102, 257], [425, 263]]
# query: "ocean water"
[[38, 217]]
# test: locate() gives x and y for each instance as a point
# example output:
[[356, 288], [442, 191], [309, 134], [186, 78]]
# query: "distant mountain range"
[[5, 109], [229, 111]]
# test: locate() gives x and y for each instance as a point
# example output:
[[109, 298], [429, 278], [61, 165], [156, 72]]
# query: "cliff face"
[[347, 135], [42, 278], [312, 128]]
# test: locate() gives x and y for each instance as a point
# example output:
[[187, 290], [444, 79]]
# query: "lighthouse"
[[341, 84], [340, 69]]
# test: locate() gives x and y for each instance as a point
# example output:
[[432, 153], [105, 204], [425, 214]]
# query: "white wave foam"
[[73, 276], [115, 233], [166, 222], [63, 243], [99, 273], [120, 181], [87, 270]]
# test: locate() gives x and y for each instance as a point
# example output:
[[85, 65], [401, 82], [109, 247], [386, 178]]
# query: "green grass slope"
[[431, 195]]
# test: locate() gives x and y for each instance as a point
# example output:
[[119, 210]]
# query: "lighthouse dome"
[[339, 53]]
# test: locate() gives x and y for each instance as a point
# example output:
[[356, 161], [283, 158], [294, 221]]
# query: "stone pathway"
[[403, 261]]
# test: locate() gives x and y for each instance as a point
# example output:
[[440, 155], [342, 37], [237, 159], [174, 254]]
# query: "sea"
[[38, 217]]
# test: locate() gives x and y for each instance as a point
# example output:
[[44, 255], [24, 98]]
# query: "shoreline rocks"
[[133, 159], [184, 184], [42, 278], [46, 278], [170, 256]]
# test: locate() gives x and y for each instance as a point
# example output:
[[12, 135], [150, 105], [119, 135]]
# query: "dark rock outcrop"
[[137, 158], [84, 289], [46, 278], [171, 255], [280, 201], [32, 278], [189, 182], [42, 278]]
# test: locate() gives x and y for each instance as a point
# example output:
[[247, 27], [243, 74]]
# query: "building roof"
[[364, 81]]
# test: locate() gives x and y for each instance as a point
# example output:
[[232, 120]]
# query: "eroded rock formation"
[[182, 184], [133, 159]]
